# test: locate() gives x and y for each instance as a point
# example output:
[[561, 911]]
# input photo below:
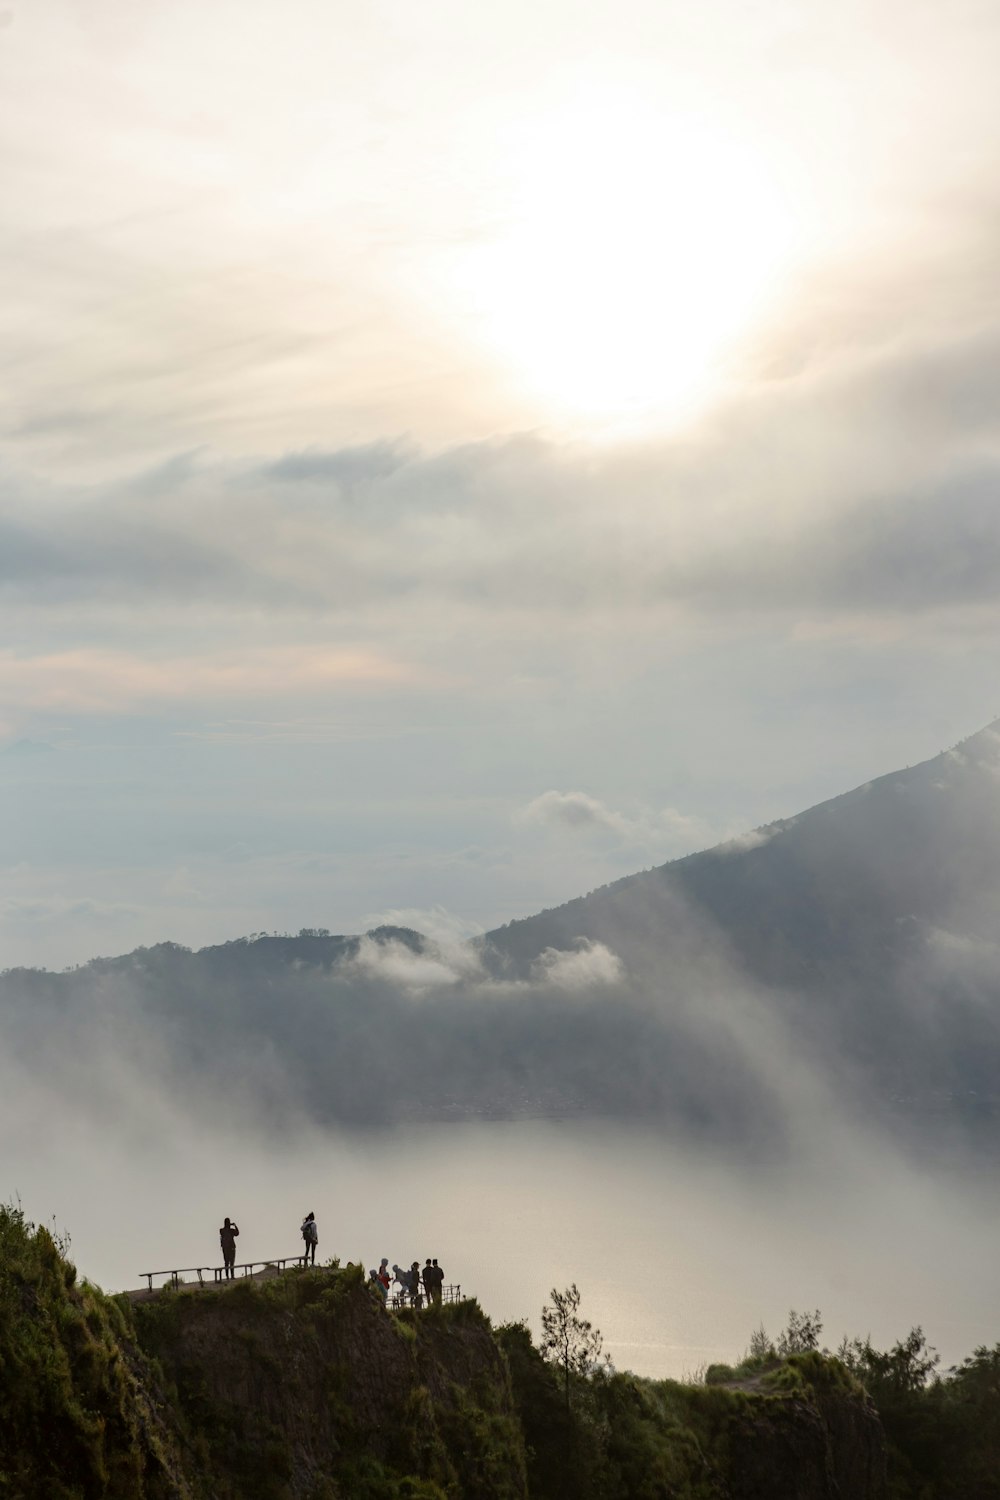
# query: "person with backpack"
[[227, 1239], [376, 1281], [310, 1236]]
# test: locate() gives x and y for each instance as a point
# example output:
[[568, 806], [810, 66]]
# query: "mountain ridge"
[[852, 944]]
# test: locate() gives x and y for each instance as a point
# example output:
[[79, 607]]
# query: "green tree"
[[568, 1340], [802, 1334]]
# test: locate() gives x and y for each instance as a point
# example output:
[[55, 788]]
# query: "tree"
[[900, 1371], [802, 1334], [567, 1339]]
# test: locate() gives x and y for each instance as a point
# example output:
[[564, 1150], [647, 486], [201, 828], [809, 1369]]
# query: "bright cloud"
[[414, 972], [587, 965]]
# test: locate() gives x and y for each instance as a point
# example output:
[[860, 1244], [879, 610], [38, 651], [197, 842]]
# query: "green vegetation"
[[942, 1430], [303, 1387], [75, 1415], [625, 1438]]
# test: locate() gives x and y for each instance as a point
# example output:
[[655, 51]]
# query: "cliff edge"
[[304, 1387]]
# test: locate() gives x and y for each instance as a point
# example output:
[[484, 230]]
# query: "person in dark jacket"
[[438, 1281], [227, 1239], [427, 1277]]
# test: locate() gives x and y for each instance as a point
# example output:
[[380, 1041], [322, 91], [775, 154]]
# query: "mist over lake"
[[679, 1254]]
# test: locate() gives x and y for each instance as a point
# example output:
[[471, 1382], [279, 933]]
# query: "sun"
[[637, 246]]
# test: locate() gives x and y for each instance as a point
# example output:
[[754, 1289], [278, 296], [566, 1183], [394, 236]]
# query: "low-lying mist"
[[679, 1251], [699, 1171]]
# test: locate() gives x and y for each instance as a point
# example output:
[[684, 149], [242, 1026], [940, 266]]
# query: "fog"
[[679, 1253]]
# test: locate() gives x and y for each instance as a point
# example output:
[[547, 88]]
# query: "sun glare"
[[638, 247]]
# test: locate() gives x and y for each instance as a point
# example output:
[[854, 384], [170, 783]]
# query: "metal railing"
[[396, 1297], [218, 1273]]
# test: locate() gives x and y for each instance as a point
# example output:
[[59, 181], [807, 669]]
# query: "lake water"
[[678, 1255]]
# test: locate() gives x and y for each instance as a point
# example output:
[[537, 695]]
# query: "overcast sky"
[[451, 456]]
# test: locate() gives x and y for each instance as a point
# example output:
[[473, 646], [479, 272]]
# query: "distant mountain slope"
[[846, 954], [832, 884], [871, 918]]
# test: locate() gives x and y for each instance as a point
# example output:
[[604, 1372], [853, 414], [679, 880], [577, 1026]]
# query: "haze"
[[451, 460], [455, 461]]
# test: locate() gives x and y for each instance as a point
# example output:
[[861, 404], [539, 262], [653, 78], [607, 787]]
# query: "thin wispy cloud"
[[95, 682], [583, 814]]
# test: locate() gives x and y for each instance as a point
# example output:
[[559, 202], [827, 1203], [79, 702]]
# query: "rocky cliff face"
[[819, 1440], [305, 1387]]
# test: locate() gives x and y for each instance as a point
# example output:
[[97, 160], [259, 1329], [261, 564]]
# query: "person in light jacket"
[[310, 1236]]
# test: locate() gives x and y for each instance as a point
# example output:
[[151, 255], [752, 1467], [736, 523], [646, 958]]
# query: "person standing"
[[438, 1281], [227, 1239], [427, 1277], [310, 1236]]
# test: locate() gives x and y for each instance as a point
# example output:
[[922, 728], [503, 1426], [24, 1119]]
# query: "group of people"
[[416, 1286], [410, 1281]]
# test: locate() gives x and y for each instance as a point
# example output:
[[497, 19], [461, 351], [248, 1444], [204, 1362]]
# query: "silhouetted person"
[[378, 1284], [438, 1282], [415, 1283], [427, 1277], [227, 1239], [310, 1236]]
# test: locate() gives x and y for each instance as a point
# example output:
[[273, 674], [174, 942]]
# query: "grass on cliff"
[[72, 1416]]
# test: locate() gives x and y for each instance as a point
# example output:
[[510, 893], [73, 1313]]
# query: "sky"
[[452, 457]]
